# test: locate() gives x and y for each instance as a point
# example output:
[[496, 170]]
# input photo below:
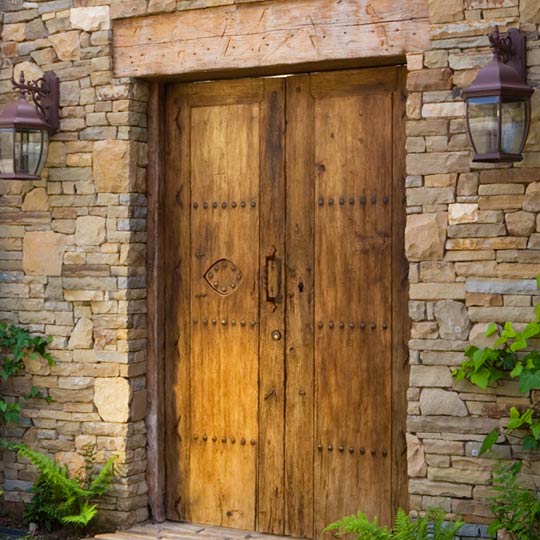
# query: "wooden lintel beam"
[[273, 33]]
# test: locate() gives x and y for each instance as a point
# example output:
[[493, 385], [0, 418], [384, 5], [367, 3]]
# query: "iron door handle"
[[272, 279]]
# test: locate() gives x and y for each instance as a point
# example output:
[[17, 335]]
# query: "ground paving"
[[184, 531]]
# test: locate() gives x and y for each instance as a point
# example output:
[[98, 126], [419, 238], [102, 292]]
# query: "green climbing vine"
[[16, 344], [511, 356]]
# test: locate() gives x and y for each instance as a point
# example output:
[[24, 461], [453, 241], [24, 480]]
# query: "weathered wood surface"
[[352, 154], [400, 317], [280, 33], [270, 474], [155, 426], [177, 276], [294, 182], [299, 351]]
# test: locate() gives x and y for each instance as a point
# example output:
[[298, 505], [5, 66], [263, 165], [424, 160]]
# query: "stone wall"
[[72, 251], [473, 244], [72, 247]]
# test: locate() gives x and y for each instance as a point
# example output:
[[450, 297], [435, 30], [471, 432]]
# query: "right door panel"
[[340, 249]]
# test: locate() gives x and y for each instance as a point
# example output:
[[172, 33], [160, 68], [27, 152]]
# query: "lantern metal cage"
[[25, 127], [498, 102]]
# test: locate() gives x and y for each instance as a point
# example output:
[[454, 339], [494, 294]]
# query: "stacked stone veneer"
[[473, 244], [72, 248], [72, 252]]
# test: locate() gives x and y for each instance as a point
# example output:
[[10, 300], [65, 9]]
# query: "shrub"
[[516, 508]]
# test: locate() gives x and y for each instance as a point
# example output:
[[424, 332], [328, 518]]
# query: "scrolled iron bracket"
[[45, 93]]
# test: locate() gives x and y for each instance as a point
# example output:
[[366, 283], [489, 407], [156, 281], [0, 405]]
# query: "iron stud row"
[[225, 322], [224, 204], [351, 200], [351, 325], [224, 439], [351, 450]]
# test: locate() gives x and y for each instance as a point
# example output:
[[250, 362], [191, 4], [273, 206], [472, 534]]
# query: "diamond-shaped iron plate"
[[224, 277]]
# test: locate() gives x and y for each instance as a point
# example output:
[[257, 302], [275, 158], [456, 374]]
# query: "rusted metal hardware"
[[45, 93], [351, 325], [223, 277]]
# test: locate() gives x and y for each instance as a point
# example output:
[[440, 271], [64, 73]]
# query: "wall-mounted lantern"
[[498, 101], [25, 127]]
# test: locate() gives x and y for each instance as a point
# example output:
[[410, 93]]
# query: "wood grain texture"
[[226, 147], [317, 161], [155, 425], [225, 167], [299, 427], [270, 507], [248, 36], [353, 156], [177, 278]]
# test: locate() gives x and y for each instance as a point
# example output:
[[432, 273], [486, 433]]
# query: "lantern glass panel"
[[29, 146], [44, 151], [7, 139], [514, 126], [483, 118]]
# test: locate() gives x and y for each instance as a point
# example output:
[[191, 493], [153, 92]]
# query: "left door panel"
[[217, 150]]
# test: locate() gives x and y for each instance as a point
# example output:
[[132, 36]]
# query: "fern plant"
[[59, 499], [516, 508], [431, 526], [359, 527]]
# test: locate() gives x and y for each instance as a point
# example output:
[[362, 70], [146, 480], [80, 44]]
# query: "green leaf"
[[516, 421], [470, 350], [491, 329], [479, 358], [529, 380], [481, 378], [527, 416], [530, 443], [514, 413], [489, 441], [519, 344], [516, 372], [531, 330], [535, 430], [508, 328]]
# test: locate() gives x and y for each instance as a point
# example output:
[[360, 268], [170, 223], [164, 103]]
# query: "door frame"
[[156, 392]]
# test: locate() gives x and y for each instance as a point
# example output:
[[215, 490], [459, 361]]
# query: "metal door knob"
[[276, 335]]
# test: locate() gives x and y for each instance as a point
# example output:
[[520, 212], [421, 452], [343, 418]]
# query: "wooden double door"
[[285, 306]]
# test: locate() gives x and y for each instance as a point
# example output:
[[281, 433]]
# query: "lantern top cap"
[[21, 114], [498, 79], [505, 75], [39, 113]]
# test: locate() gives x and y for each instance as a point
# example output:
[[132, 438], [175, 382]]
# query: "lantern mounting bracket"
[[45, 93], [510, 49]]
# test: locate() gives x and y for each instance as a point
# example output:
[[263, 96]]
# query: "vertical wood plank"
[[341, 262], [225, 169], [299, 310], [353, 298], [155, 416], [178, 308], [270, 511], [400, 322]]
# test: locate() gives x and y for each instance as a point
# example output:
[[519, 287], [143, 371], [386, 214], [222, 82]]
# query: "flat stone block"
[[502, 286]]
